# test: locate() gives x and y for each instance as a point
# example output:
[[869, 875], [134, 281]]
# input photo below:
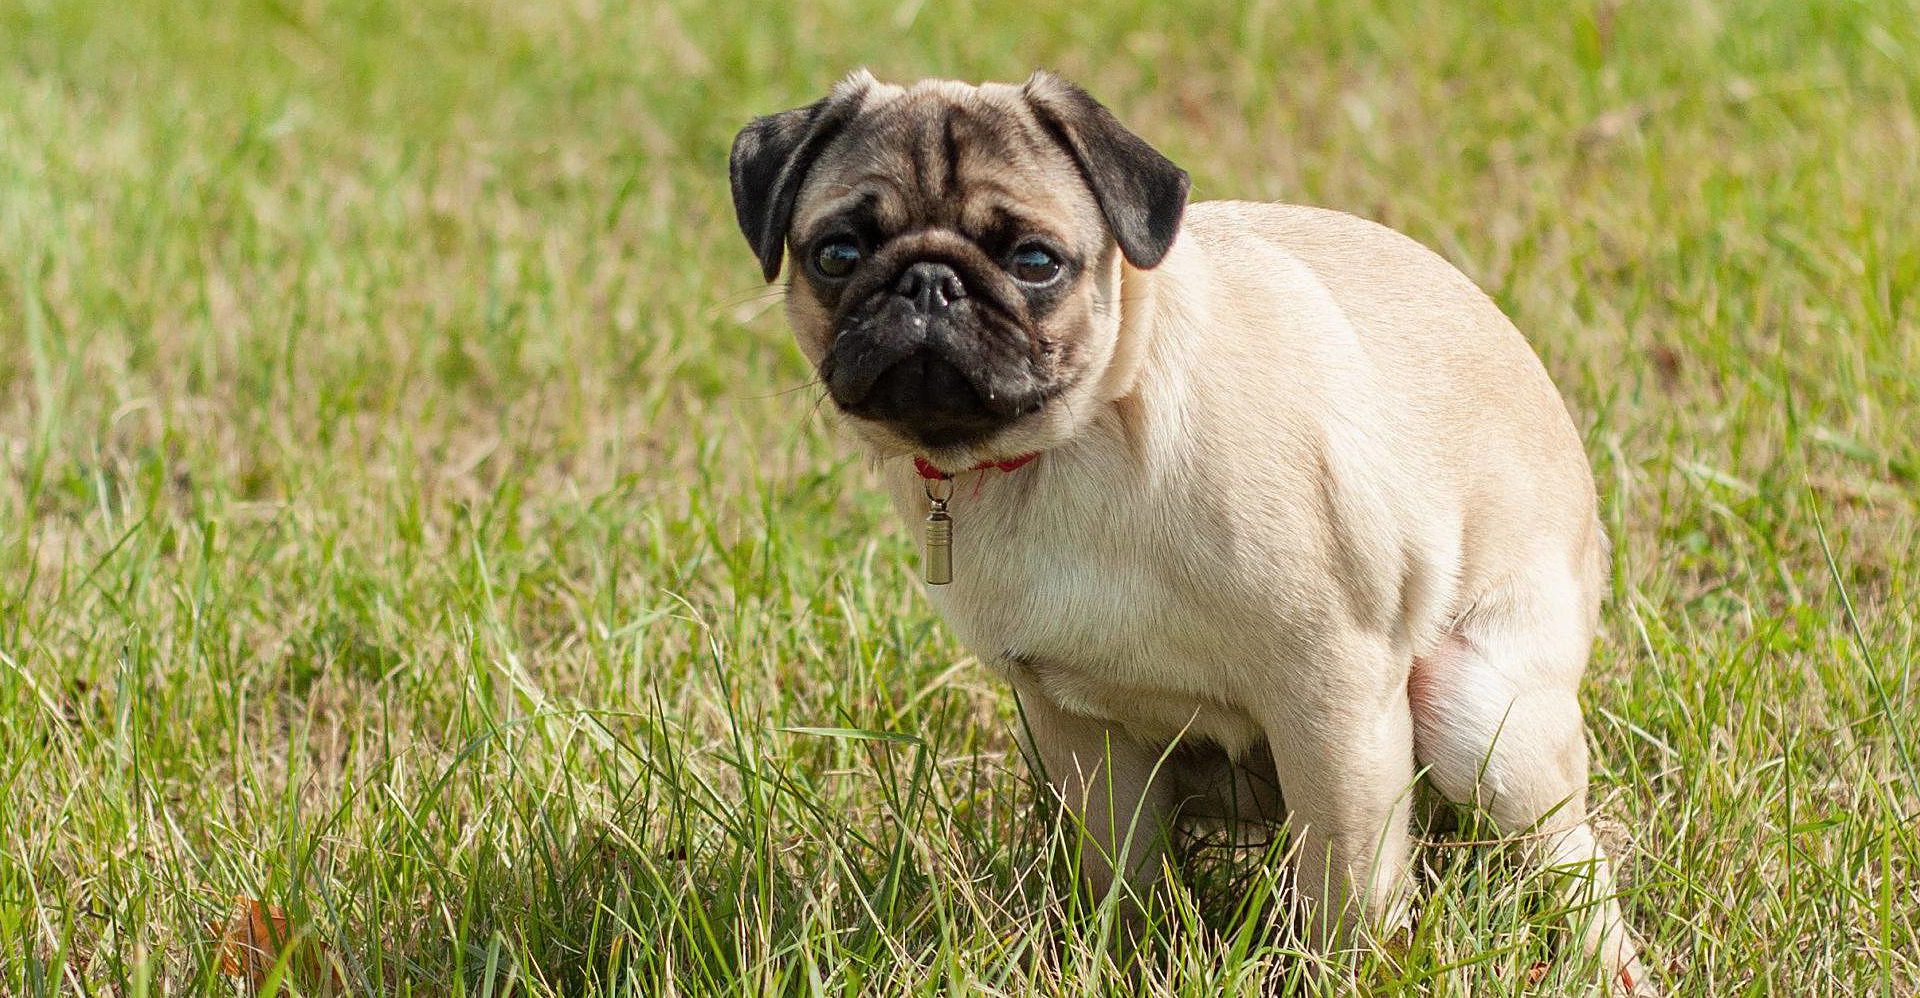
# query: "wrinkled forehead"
[[947, 156]]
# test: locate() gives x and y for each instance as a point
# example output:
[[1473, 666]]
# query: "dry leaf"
[[251, 941]]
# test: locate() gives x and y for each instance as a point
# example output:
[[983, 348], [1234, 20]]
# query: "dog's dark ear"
[[770, 160], [1141, 193]]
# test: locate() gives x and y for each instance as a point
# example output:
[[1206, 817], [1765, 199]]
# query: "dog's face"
[[956, 253]]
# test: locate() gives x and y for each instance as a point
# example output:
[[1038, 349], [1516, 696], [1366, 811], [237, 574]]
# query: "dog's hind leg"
[[1497, 724]]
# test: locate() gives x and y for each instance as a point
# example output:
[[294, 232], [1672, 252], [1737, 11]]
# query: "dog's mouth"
[[931, 400], [942, 377]]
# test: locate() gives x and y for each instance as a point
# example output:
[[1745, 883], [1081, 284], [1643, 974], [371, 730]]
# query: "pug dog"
[[1220, 488]]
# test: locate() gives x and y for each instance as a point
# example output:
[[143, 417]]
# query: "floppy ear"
[[770, 160], [1141, 193]]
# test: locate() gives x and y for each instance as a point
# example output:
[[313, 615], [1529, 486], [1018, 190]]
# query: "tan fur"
[[1308, 467]]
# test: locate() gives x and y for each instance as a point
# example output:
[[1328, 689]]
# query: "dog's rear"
[[1456, 485]]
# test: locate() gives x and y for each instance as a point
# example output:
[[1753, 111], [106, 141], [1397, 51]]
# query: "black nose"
[[930, 286]]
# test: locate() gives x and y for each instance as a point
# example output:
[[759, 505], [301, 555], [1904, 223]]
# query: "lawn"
[[414, 514]]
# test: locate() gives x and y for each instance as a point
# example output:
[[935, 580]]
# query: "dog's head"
[[956, 252]]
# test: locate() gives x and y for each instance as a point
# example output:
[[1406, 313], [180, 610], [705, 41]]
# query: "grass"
[[413, 513]]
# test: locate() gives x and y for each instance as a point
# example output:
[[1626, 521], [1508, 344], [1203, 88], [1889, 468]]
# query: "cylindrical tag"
[[937, 564]]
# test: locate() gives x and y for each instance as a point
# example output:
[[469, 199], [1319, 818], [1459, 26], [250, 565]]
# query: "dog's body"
[[1235, 519], [1302, 490]]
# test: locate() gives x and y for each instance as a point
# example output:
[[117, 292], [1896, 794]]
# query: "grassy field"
[[414, 515]]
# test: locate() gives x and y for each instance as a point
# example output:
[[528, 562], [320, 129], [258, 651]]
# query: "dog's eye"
[[1033, 264], [835, 258]]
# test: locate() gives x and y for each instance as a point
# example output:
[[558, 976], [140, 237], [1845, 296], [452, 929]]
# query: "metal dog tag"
[[936, 563]]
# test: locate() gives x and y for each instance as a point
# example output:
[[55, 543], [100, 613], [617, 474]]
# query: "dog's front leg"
[[1344, 755], [1107, 780]]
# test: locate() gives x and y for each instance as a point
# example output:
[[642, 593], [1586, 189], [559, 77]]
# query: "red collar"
[[931, 473]]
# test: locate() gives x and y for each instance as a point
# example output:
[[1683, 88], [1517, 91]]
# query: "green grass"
[[413, 512]]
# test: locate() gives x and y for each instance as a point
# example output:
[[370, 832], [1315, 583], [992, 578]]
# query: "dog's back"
[[1462, 390]]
